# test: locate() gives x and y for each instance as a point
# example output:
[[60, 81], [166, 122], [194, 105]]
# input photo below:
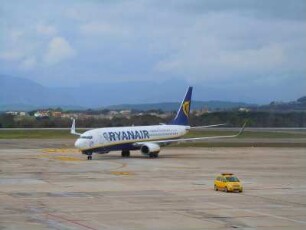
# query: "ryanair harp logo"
[[186, 108]]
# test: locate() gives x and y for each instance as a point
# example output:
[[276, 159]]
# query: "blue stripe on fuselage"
[[126, 146]]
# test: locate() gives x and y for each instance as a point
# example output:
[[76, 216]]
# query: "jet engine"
[[150, 149]]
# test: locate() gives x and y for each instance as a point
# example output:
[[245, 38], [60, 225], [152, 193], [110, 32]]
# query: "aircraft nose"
[[77, 144]]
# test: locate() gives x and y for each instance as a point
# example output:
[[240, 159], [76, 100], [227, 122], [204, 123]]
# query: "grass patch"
[[247, 134], [65, 134], [238, 144], [36, 134]]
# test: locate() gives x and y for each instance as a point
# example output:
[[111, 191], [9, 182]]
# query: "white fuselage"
[[107, 137]]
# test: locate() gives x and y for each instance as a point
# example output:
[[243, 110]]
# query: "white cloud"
[[264, 58], [10, 48], [12, 55], [15, 35], [28, 63], [202, 41], [59, 49], [103, 28], [75, 14], [230, 46], [46, 29]]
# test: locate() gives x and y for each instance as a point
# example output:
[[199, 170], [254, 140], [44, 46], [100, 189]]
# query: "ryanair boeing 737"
[[147, 139]]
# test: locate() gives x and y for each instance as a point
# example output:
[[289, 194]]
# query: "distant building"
[[41, 114], [244, 110], [200, 112], [125, 112], [56, 114], [113, 113], [14, 113]]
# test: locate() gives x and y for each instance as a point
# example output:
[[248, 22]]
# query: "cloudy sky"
[[254, 48]]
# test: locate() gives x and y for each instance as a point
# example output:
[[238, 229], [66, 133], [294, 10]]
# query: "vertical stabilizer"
[[182, 115]]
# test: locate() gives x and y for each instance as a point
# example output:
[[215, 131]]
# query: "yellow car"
[[227, 182]]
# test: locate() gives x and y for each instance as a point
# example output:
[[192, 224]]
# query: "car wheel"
[[216, 188], [225, 189]]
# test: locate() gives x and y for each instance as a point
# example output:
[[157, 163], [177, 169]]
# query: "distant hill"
[[298, 105], [23, 94], [172, 106], [20, 93]]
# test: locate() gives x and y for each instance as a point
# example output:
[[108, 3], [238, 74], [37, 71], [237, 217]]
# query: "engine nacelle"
[[148, 148]]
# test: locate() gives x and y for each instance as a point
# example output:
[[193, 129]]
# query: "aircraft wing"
[[206, 126], [182, 140]]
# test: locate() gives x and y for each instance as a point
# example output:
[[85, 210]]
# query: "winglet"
[[72, 130], [242, 129]]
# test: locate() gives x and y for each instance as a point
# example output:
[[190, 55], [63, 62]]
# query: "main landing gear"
[[125, 153], [153, 155]]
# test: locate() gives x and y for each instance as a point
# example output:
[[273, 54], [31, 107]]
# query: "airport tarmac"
[[56, 188]]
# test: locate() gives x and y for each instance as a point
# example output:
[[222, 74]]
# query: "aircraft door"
[[101, 139]]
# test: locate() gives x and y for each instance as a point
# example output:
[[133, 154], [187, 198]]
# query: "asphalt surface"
[[69, 143], [57, 188]]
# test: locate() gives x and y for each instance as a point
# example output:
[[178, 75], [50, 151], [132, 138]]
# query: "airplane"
[[147, 139]]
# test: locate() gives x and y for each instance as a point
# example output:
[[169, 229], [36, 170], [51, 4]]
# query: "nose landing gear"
[[89, 154]]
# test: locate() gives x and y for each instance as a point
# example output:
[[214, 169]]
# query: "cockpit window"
[[86, 137]]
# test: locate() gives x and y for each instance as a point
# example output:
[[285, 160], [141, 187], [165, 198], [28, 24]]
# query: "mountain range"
[[23, 94]]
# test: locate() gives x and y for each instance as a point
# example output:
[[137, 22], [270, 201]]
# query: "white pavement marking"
[[259, 213]]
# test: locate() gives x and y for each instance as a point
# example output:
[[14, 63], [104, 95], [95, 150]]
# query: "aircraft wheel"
[[125, 153], [153, 155]]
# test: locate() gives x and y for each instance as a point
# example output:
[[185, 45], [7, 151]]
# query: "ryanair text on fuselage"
[[126, 135]]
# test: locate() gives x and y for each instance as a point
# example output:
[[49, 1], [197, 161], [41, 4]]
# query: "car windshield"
[[232, 179]]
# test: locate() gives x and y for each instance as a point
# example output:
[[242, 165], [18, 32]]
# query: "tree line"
[[232, 119], [254, 119]]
